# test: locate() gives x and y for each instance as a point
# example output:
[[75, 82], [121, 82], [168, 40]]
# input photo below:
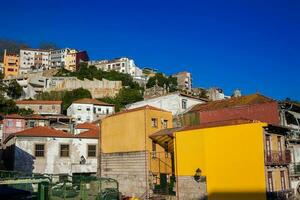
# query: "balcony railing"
[[278, 157], [295, 169]]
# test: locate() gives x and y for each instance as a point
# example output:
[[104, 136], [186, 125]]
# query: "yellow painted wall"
[[130, 131], [10, 62], [231, 158]]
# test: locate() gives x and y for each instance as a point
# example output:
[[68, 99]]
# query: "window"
[[107, 111], [282, 180], [154, 122], [270, 182], [9, 123], [18, 124], [99, 109], [39, 150], [41, 107], [165, 123], [91, 150], [31, 124], [184, 103], [88, 118], [79, 118], [53, 107], [88, 108], [153, 149], [79, 108], [64, 150]]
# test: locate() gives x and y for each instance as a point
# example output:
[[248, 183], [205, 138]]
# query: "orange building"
[[11, 63]]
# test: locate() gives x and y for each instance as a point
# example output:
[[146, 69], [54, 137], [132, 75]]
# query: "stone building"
[[41, 107], [48, 151], [184, 80]]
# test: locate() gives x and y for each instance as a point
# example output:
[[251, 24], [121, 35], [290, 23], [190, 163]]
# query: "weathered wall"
[[231, 158], [52, 163], [52, 109], [267, 112], [129, 169], [98, 88], [189, 189]]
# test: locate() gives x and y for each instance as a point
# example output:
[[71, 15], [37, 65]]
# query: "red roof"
[[92, 133], [232, 102], [92, 101], [86, 126], [13, 116], [37, 102], [230, 122], [35, 116]]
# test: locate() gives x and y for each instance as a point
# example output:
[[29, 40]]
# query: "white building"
[[88, 110], [33, 59], [123, 65], [58, 57], [175, 102], [48, 151], [1, 67]]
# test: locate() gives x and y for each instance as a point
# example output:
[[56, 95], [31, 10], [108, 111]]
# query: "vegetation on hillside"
[[66, 96], [8, 106], [163, 81]]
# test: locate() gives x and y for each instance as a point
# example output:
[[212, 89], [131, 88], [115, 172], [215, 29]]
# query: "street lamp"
[[197, 176]]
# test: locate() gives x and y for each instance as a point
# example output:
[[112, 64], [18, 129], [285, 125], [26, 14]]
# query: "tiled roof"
[[92, 133], [35, 116], [86, 126], [92, 101], [233, 102], [37, 102], [42, 131], [230, 122], [13, 116], [138, 109]]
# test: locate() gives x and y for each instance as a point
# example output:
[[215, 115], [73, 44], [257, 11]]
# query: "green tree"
[[14, 90], [161, 80], [25, 112]]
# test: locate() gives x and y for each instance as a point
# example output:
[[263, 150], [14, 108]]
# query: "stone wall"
[[189, 189], [130, 169], [98, 88]]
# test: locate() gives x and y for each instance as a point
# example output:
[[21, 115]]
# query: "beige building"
[[41, 107], [184, 80]]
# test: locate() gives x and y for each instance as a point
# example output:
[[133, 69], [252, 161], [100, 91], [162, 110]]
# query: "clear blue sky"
[[252, 45]]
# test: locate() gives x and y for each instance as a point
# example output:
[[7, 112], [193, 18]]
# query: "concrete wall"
[[52, 163], [189, 189], [231, 158], [129, 169]]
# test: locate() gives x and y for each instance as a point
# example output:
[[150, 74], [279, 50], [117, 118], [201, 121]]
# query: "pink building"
[[13, 123]]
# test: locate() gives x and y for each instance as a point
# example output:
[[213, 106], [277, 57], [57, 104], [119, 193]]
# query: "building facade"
[[41, 107], [88, 110], [255, 107], [11, 124], [48, 151], [125, 142], [123, 65], [11, 64], [184, 80], [34, 59], [58, 57], [252, 164]]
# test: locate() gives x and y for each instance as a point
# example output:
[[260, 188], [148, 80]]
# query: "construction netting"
[[55, 187]]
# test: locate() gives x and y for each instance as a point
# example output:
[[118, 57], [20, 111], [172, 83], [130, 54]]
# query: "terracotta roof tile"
[[13, 116], [35, 116], [92, 133], [92, 101], [37, 102], [232, 102], [86, 126]]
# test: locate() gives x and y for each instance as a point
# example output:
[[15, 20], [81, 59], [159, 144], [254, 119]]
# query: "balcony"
[[278, 157], [295, 169]]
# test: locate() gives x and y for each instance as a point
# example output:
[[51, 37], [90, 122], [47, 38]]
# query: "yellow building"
[[70, 60], [11, 63], [130, 156], [233, 160]]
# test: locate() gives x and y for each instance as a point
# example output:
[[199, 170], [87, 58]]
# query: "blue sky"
[[252, 45]]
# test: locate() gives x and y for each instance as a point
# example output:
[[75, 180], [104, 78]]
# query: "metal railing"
[[278, 157], [294, 169]]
